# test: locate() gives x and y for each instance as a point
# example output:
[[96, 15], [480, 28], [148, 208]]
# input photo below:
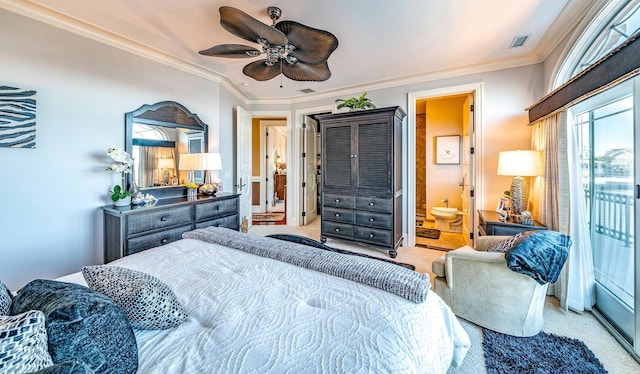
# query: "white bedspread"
[[249, 314]]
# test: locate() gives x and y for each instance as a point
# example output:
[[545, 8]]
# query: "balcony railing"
[[613, 215]]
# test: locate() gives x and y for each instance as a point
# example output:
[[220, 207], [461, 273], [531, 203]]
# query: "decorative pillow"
[[67, 367], [23, 343], [148, 302], [507, 244], [5, 300], [82, 324]]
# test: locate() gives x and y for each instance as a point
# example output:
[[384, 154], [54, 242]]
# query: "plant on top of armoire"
[[353, 103]]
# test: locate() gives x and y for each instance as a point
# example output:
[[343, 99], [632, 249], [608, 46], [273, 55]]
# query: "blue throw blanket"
[[540, 255]]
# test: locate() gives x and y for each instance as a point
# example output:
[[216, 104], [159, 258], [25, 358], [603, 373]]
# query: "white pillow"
[[147, 301], [23, 343]]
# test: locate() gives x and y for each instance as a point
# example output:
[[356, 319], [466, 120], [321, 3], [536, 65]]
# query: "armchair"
[[479, 287]]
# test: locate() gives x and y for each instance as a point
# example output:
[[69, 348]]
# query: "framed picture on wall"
[[448, 150]]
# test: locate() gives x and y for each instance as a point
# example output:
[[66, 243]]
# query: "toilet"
[[447, 219]]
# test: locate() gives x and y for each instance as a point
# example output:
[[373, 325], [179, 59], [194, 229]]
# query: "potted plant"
[[123, 165], [353, 103]]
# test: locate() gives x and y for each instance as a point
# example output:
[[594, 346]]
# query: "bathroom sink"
[[445, 210]]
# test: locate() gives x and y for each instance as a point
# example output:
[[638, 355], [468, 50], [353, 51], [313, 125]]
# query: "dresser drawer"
[[375, 204], [338, 215], [337, 200], [141, 243], [337, 229], [230, 222], [375, 236], [159, 219], [381, 220], [216, 209]]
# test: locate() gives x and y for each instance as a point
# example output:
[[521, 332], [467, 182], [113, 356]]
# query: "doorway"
[[440, 119], [442, 166]]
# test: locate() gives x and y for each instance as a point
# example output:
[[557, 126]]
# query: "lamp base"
[[519, 195]]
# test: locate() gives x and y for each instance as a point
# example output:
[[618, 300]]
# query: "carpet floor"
[[267, 216]]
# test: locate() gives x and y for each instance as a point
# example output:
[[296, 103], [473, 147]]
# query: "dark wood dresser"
[[490, 224], [362, 177], [134, 229]]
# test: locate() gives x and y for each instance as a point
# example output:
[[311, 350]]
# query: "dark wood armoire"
[[362, 177]]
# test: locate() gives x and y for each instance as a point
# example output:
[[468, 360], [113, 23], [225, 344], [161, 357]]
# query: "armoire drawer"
[[339, 215], [338, 200], [135, 245], [154, 220], [215, 209], [380, 220], [337, 229], [375, 236], [375, 204]]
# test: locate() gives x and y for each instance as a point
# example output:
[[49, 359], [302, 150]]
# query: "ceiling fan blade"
[[313, 46], [243, 25], [301, 71], [260, 71], [231, 51]]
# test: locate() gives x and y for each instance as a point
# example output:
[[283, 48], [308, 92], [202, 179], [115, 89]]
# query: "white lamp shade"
[[187, 161], [165, 163], [520, 163], [210, 161]]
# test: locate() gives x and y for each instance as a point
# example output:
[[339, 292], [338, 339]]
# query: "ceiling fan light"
[[291, 60]]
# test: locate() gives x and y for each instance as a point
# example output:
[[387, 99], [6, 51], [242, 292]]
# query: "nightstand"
[[490, 224]]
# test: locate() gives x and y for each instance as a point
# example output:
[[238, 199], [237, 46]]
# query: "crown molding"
[[565, 25], [525, 60], [62, 21]]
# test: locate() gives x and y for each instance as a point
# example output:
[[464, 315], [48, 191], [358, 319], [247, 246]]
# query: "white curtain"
[[550, 192], [559, 203], [581, 294]]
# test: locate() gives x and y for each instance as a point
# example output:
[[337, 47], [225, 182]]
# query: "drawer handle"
[[337, 200], [371, 203], [371, 235], [337, 214], [337, 230], [370, 219], [164, 241], [217, 207], [163, 218]]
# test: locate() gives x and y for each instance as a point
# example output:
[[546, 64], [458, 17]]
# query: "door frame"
[[267, 115], [265, 124], [409, 143], [296, 180]]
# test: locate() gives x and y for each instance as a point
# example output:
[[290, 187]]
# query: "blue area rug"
[[539, 354]]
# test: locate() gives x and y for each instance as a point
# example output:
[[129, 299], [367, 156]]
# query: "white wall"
[[50, 196]]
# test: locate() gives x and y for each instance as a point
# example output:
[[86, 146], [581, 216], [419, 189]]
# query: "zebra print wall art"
[[17, 117]]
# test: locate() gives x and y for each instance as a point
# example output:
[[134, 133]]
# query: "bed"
[[247, 313]]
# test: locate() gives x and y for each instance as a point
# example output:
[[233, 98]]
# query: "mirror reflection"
[[157, 135]]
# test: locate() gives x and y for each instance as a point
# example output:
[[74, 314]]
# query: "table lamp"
[[164, 164], [188, 162], [209, 162], [520, 165]]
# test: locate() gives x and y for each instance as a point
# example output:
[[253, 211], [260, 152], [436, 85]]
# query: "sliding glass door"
[[605, 130]]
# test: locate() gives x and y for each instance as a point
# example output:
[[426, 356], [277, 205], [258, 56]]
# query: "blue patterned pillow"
[[23, 343], [82, 324], [5, 300], [67, 367]]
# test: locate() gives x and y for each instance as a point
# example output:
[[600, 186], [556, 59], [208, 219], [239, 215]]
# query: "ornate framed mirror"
[[156, 135]]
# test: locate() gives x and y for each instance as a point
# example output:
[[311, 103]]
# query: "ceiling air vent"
[[307, 90], [519, 41]]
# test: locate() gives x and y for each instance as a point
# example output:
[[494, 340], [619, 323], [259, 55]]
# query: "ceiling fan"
[[299, 52]]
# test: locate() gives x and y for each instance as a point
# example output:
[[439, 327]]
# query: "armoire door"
[[337, 156], [372, 141]]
